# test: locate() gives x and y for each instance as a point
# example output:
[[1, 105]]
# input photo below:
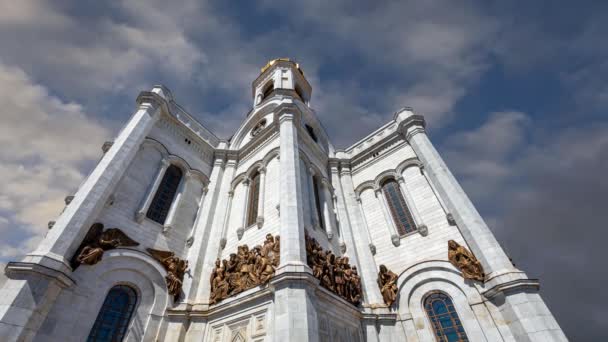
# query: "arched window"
[[443, 317], [159, 208], [396, 203], [254, 199], [267, 90], [113, 318], [315, 186]]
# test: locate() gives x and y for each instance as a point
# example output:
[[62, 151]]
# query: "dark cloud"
[[547, 208]]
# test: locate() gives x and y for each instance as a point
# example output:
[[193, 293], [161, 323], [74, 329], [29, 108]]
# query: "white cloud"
[[43, 143]]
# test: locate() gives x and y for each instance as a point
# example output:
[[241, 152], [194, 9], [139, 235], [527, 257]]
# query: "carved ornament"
[[175, 268], [335, 273], [97, 241], [465, 261], [245, 269], [387, 282]]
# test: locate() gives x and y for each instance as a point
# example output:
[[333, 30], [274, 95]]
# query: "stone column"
[[260, 218], [312, 200], [293, 251], [36, 281], [357, 238], [176, 202], [145, 205], [395, 238], [226, 220], [218, 215], [241, 230], [372, 247], [295, 317], [327, 209], [409, 201]]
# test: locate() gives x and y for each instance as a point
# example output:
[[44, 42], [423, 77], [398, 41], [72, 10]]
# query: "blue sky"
[[514, 94]]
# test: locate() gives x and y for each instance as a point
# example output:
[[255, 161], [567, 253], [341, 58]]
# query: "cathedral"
[[271, 235]]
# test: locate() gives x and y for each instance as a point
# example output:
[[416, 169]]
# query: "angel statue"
[[97, 241], [175, 267], [387, 281], [465, 261]]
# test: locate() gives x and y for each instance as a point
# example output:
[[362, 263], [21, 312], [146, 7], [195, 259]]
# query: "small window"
[[113, 318], [315, 186], [258, 127], [444, 319], [254, 198], [159, 209], [311, 132], [267, 90], [398, 208]]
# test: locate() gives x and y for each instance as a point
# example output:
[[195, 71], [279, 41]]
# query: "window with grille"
[[444, 319], [159, 209], [315, 186], [113, 318], [399, 210], [254, 198]]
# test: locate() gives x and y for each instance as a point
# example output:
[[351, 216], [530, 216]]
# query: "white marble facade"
[[282, 139]]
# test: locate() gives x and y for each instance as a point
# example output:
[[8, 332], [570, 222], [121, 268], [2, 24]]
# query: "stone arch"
[[364, 186], [418, 280], [155, 144], [274, 153], [408, 163], [119, 266], [383, 176]]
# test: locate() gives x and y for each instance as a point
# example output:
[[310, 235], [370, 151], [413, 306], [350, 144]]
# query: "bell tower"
[[281, 76]]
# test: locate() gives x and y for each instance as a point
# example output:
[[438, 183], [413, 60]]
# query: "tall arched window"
[[315, 186], [399, 210], [159, 208], [254, 199], [443, 317], [113, 318]]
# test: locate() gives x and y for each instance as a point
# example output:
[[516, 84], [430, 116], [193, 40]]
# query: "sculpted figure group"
[[465, 261], [97, 241], [245, 269], [335, 273], [175, 268]]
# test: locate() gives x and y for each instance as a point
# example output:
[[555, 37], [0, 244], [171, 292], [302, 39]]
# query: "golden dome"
[[271, 63]]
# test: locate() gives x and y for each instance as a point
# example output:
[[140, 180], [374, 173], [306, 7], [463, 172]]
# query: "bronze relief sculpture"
[[387, 281], [245, 269], [175, 268], [334, 273], [97, 241], [465, 261]]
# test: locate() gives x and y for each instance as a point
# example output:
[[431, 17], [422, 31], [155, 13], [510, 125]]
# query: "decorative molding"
[[423, 230], [450, 218], [372, 248], [396, 240]]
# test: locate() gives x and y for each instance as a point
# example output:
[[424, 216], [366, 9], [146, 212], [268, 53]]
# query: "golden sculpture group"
[[335, 273], [245, 269], [387, 281], [97, 241], [175, 268], [465, 261]]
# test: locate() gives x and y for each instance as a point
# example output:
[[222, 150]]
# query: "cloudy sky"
[[514, 93]]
